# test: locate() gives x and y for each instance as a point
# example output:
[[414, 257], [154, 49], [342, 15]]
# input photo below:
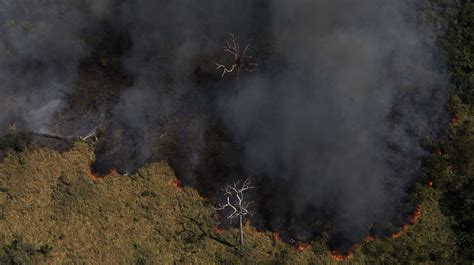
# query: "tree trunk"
[[241, 231], [51, 136]]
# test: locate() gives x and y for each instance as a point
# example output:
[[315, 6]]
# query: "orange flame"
[[336, 255], [302, 246], [177, 184], [454, 121], [113, 172], [277, 237], [397, 234], [402, 230], [413, 219], [416, 215], [430, 184], [92, 175]]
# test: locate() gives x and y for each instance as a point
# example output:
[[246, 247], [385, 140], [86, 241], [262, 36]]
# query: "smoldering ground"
[[330, 125]]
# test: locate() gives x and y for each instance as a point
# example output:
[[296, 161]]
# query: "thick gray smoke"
[[172, 40], [335, 115], [40, 48], [329, 125], [340, 124]]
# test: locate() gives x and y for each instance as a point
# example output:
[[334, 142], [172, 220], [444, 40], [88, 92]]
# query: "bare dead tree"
[[90, 137], [239, 207], [240, 58]]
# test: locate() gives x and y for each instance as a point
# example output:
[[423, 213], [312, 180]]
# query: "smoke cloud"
[[40, 49], [339, 125], [173, 43], [329, 126]]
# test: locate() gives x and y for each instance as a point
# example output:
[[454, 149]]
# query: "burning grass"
[[337, 256], [430, 184], [177, 184], [61, 198], [412, 221], [276, 236], [92, 175], [302, 246]]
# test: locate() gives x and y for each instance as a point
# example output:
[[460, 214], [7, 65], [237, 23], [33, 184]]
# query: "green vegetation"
[[452, 170], [453, 20]]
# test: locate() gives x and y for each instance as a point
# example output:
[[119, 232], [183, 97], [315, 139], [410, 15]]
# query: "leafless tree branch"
[[239, 208], [241, 59], [90, 137]]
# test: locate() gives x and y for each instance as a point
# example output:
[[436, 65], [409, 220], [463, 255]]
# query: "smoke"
[[40, 50], [338, 127], [329, 125], [173, 47], [102, 9]]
